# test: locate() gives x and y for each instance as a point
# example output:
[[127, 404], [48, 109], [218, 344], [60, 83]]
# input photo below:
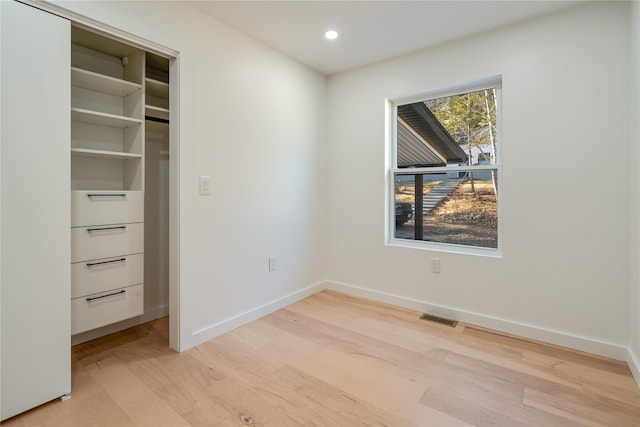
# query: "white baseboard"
[[205, 334], [528, 331], [148, 316]]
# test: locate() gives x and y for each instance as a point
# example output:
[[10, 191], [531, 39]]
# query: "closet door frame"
[[174, 143]]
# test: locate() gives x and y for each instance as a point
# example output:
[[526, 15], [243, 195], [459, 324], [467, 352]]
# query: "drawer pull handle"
[[122, 291], [107, 195], [91, 264], [121, 227]]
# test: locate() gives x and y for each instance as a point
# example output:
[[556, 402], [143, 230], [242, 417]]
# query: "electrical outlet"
[[435, 265], [272, 263]]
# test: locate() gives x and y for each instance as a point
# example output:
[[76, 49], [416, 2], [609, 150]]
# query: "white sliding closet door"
[[34, 208]]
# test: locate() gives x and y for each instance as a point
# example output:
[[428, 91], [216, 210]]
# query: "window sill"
[[445, 247]]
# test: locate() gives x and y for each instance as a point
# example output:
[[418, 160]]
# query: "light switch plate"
[[205, 185]]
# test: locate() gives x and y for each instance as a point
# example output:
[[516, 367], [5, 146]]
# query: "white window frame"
[[391, 113]]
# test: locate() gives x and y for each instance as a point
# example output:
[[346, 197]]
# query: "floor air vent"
[[440, 320]]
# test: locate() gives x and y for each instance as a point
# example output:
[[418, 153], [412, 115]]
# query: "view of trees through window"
[[447, 151]]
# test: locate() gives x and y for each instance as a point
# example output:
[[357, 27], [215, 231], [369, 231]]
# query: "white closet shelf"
[[157, 88], [101, 83], [102, 119], [102, 154], [157, 112]]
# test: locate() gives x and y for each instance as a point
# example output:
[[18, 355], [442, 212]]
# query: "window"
[[445, 169]]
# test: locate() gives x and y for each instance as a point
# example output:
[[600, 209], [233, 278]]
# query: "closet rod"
[[156, 119]]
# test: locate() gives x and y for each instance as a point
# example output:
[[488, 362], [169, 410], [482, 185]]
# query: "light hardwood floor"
[[337, 360]]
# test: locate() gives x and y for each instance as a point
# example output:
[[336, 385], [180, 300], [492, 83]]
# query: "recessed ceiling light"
[[331, 35]]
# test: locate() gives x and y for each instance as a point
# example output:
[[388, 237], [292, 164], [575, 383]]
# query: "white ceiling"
[[370, 31]]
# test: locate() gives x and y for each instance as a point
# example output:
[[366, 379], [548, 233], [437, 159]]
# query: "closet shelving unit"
[[102, 119], [107, 181], [119, 185], [157, 99]]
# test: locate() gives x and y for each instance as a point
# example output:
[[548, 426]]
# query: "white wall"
[[564, 276], [634, 359], [254, 121]]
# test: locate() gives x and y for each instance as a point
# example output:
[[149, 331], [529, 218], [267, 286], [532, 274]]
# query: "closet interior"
[[120, 122]]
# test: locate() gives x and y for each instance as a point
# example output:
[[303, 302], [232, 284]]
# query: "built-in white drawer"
[[104, 241], [102, 309], [100, 275], [106, 207]]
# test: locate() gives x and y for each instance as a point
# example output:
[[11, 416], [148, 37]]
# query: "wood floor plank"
[[137, 400], [96, 410], [547, 403], [550, 351], [362, 346], [375, 388], [315, 331], [515, 370], [479, 411], [82, 382], [167, 371], [466, 410], [340, 407], [104, 347], [181, 381], [371, 327], [595, 408], [339, 360], [252, 404], [477, 384], [613, 391], [383, 389], [402, 328], [234, 361]]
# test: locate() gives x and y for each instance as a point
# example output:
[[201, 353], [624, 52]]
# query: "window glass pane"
[[458, 208], [452, 130]]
